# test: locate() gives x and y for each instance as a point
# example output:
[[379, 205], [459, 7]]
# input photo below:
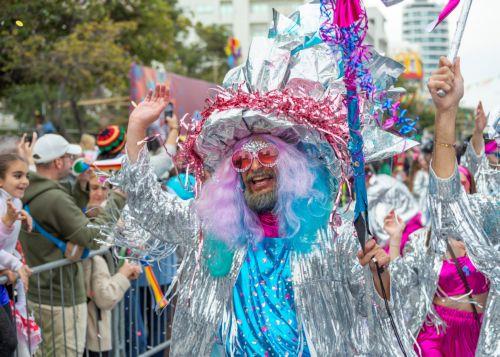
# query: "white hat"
[[52, 146]]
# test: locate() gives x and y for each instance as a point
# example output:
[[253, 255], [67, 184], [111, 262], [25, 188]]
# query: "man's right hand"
[[143, 116], [150, 108]]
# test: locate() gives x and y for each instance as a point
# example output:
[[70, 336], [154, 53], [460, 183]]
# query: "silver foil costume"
[[487, 178], [337, 305], [384, 194], [474, 219]]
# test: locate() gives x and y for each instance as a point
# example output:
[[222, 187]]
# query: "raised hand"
[[480, 122], [448, 78], [143, 116], [150, 108], [11, 215], [25, 148], [393, 225], [479, 125], [172, 122]]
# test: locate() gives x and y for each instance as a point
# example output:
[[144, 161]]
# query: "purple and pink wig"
[[305, 194]]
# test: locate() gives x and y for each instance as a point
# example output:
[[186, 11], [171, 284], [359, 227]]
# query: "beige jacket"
[[104, 293]]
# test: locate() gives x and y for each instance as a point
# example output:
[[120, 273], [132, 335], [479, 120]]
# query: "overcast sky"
[[479, 51]]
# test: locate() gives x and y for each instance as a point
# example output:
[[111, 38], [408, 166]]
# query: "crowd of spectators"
[[47, 204]]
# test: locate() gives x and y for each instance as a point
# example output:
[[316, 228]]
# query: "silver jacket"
[[487, 178], [473, 219], [337, 306]]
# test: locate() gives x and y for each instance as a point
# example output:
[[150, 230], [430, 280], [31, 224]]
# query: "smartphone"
[[169, 110], [28, 138]]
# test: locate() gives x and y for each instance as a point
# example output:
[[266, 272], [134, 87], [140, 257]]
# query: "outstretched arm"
[[449, 78], [164, 216], [453, 212], [477, 139]]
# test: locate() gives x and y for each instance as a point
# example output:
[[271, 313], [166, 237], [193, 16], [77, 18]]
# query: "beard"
[[257, 201], [261, 202]]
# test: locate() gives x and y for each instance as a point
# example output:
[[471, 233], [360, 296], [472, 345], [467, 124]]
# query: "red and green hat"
[[111, 139]]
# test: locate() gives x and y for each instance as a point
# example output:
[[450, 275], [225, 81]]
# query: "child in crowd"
[[13, 183]]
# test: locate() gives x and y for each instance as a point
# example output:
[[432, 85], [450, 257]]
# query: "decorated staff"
[[347, 30], [457, 37]]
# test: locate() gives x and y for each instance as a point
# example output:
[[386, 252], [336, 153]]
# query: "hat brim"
[[223, 129], [74, 149]]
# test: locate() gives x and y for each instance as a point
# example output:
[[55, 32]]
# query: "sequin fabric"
[[337, 308], [474, 219], [263, 304], [487, 178]]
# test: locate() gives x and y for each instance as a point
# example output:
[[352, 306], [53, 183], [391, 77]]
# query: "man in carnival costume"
[[268, 268]]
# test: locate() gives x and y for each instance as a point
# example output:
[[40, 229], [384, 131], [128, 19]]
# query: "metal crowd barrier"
[[136, 329]]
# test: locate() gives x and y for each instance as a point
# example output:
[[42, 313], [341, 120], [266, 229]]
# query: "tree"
[[73, 50]]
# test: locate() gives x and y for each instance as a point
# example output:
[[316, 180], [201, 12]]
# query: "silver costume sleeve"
[[416, 274], [471, 160], [163, 216], [475, 221], [372, 321], [487, 178]]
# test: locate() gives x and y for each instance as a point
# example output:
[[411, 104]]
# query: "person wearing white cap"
[[57, 215], [52, 147]]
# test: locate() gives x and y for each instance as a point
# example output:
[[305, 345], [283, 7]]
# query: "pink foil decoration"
[[347, 12], [450, 6], [327, 116]]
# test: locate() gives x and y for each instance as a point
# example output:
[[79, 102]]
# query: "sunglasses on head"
[[266, 153]]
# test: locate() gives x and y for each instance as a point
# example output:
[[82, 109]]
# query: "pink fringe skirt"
[[458, 338]]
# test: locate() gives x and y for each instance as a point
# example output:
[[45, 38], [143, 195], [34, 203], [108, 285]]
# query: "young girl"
[[13, 183]]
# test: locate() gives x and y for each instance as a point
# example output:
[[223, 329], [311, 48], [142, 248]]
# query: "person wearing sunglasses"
[[270, 266]]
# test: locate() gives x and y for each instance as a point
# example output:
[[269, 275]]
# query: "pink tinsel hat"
[[291, 87]]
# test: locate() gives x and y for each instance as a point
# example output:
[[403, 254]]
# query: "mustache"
[[263, 171]]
